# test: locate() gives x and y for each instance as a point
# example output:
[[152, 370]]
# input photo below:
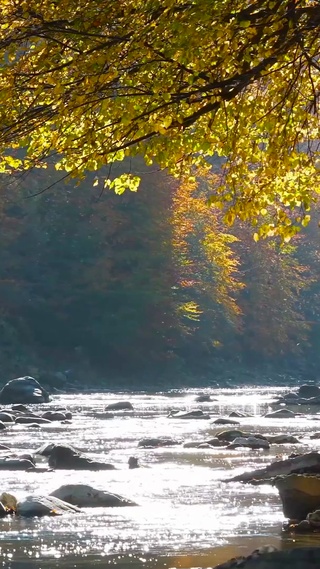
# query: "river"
[[187, 516]]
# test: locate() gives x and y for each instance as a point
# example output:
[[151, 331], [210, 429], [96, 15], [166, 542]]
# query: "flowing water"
[[187, 516]]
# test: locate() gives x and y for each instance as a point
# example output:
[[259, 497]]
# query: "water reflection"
[[187, 516]]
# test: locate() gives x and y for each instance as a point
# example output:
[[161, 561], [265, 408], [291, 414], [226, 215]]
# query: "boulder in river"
[[308, 463], [204, 398], [38, 506], [158, 442], [24, 420], [6, 417], [238, 414], [23, 390], [54, 416], [225, 421], [299, 493], [87, 497], [315, 435], [65, 457], [10, 463], [21, 408], [281, 414], [251, 442], [230, 435], [308, 391], [133, 463], [282, 439], [119, 406], [270, 558], [195, 414]]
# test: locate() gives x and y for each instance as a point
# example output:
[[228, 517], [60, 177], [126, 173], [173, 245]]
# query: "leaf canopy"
[[180, 82]]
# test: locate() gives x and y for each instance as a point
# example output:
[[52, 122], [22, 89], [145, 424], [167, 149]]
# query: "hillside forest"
[[149, 287]]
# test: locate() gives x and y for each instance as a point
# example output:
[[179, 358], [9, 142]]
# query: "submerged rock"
[[308, 463], [203, 398], [225, 421], [282, 439], [300, 495], [158, 442], [87, 497], [271, 558], [205, 444], [23, 390]]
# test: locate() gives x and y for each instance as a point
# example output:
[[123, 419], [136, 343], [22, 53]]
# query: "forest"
[[149, 286]]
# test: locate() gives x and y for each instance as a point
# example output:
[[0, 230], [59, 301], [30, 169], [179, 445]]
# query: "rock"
[[120, 406], [215, 442], [158, 442], [47, 448], [192, 444], [222, 421], [204, 444], [87, 497], [269, 558], [291, 395], [238, 414], [23, 390], [54, 416], [3, 511], [314, 517], [315, 436], [27, 456], [23, 420], [308, 391], [196, 414], [8, 463], [280, 414], [104, 415], [282, 439], [9, 501], [38, 506], [229, 436], [311, 401], [308, 463], [133, 463], [65, 457], [300, 495], [203, 398], [249, 442], [21, 408], [6, 417]]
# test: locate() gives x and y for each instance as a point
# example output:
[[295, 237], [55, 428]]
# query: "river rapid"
[[187, 516]]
